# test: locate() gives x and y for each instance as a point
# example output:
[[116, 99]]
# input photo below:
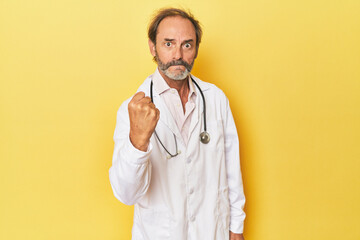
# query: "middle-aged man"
[[176, 154]]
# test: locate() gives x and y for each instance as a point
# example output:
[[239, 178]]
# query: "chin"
[[177, 76]]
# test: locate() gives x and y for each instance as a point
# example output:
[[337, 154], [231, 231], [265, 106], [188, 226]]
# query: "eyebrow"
[[171, 40]]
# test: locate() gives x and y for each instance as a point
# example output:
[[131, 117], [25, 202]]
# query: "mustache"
[[178, 62]]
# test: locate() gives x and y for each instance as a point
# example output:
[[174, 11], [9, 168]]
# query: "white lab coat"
[[194, 196]]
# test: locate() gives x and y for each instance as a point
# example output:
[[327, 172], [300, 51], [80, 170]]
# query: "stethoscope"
[[204, 136]]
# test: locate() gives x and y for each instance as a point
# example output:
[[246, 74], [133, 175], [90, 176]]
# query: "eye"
[[187, 45], [168, 44]]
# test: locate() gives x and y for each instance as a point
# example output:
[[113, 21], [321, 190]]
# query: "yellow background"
[[291, 70]]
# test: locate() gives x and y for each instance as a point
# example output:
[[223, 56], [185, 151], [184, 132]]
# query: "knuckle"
[[139, 107], [137, 96], [130, 105], [141, 94]]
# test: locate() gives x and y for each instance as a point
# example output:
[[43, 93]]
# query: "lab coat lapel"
[[199, 110]]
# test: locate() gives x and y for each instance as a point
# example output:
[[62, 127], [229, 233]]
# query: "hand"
[[143, 119], [235, 236]]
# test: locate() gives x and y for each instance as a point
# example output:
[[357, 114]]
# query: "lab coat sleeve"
[[130, 172], [232, 155]]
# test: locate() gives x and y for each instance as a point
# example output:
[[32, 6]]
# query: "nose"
[[178, 53]]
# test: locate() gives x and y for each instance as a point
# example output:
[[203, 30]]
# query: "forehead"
[[176, 27]]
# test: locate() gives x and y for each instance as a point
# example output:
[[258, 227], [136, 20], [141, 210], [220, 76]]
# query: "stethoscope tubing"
[[202, 135], [202, 96]]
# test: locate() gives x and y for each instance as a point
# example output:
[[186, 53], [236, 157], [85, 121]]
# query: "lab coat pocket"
[[223, 208], [155, 223]]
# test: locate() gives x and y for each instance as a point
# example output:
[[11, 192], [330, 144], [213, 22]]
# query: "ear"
[[196, 54], [152, 48]]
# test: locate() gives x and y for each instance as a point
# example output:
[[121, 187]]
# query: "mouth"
[[180, 66]]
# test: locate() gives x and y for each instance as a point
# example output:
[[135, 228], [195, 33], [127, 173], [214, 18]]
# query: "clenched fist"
[[143, 119]]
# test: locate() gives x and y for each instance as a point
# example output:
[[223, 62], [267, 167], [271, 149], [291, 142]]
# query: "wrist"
[[139, 143]]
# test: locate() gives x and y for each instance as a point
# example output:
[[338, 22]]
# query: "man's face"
[[175, 49]]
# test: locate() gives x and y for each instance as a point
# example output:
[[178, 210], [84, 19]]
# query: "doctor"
[[176, 154]]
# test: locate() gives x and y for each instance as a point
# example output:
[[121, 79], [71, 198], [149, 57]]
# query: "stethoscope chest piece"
[[204, 137]]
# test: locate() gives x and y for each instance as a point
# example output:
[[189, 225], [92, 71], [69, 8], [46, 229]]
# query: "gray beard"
[[164, 67], [177, 77]]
